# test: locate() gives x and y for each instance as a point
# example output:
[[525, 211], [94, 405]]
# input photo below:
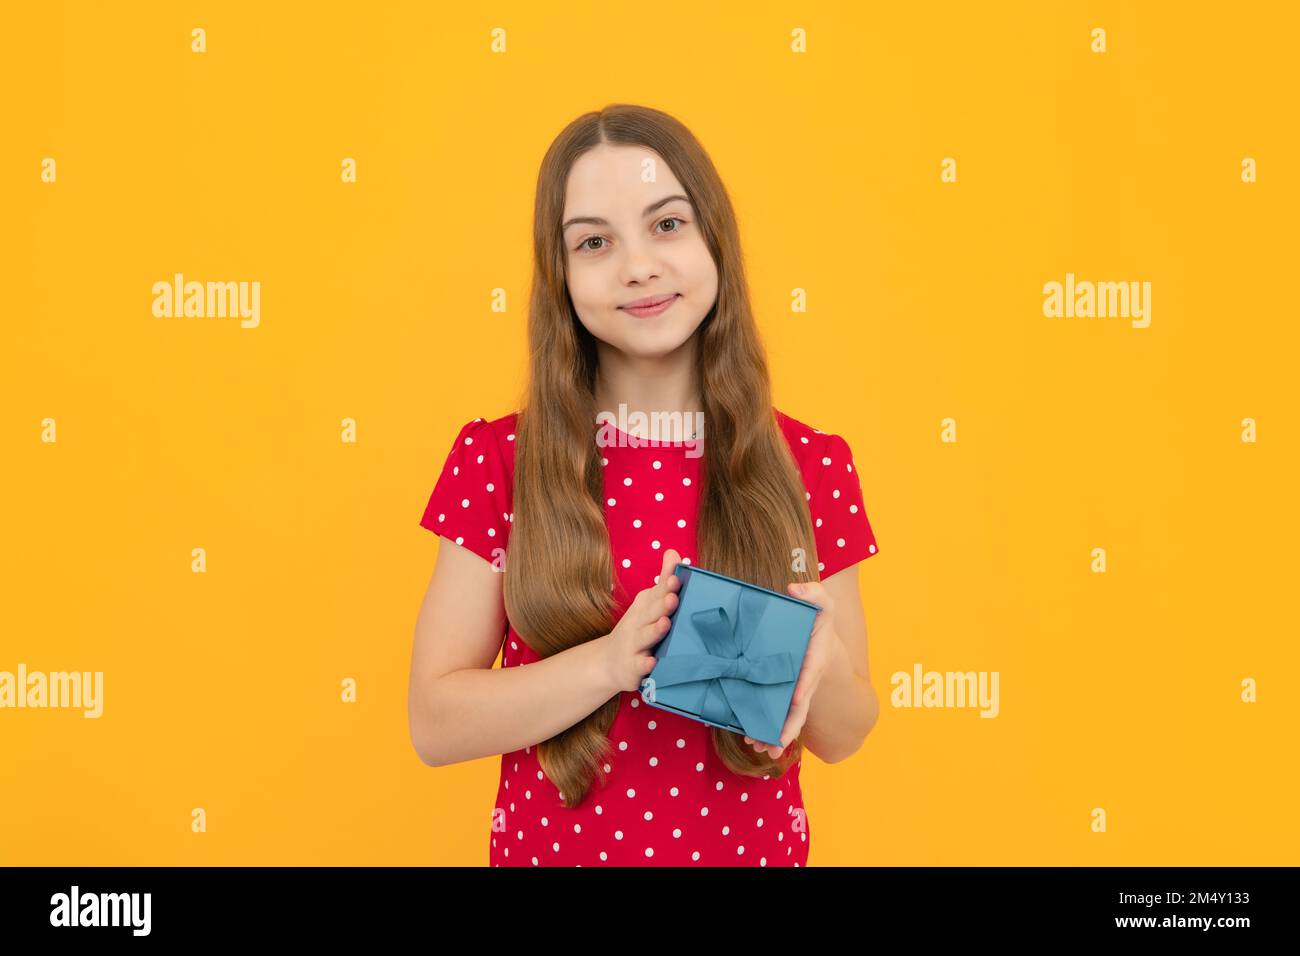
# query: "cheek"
[[696, 265]]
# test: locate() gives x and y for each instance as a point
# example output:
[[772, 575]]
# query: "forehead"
[[611, 181]]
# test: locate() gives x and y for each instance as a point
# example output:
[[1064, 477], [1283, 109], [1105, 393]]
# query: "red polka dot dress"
[[667, 799]]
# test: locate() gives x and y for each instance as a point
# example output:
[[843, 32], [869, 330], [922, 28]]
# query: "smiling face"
[[626, 241]]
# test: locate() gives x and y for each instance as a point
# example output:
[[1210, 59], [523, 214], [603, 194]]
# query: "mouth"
[[654, 305]]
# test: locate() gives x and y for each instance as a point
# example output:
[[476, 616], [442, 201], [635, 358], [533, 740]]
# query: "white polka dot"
[[739, 850], [618, 834], [686, 481], [695, 855], [681, 522], [673, 792], [853, 509], [744, 797], [627, 562], [577, 828], [611, 502], [826, 461], [726, 830], [460, 540], [464, 502], [835, 493], [686, 560], [534, 861], [492, 532], [654, 761], [819, 522], [762, 861], [604, 855], [636, 522], [455, 469], [804, 439], [599, 809], [510, 437], [606, 768], [442, 517], [491, 487], [704, 811], [627, 481], [657, 465], [839, 542], [631, 792], [659, 496], [649, 851], [649, 815], [652, 725], [871, 549], [480, 459], [699, 766], [680, 743], [622, 745], [604, 461], [677, 832], [469, 441], [655, 544]]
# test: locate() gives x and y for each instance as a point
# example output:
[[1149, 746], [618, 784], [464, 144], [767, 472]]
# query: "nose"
[[641, 264]]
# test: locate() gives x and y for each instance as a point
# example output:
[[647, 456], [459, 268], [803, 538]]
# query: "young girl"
[[639, 302]]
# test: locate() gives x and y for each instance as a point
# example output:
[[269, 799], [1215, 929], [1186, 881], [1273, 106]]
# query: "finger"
[[794, 722], [814, 592], [667, 570], [652, 633]]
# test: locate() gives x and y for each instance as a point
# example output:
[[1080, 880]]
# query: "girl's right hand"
[[642, 626]]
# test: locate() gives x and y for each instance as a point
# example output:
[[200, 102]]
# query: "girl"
[[639, 301]]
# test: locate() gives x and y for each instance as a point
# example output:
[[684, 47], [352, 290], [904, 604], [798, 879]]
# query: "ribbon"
[[731, 695]]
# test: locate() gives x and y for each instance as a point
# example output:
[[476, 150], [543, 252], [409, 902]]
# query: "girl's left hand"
[[815, 660]]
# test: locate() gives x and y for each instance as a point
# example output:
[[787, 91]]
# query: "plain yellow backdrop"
[[1119, 691]]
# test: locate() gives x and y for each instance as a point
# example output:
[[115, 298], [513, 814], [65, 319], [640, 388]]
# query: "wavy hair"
[[560, 582]]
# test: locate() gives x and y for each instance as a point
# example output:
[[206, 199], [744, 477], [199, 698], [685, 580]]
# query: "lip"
[[652, 305]]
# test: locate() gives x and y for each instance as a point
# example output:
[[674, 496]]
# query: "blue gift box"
[[731, 655]]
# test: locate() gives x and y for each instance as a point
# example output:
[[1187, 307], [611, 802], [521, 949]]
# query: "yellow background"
[[222, 690]]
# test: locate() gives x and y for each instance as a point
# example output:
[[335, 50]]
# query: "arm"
[[459, 706], [844, 708]]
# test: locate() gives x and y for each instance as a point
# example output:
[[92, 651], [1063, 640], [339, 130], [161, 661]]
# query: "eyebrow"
[[597, 221]]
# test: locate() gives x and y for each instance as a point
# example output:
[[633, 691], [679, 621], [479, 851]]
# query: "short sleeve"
[[840, 526], [472, 499]]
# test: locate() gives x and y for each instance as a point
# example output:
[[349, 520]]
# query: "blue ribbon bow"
[[731, 696]]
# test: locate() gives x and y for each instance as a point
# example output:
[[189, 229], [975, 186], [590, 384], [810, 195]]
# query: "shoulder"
[[489, 438], [811, 446]]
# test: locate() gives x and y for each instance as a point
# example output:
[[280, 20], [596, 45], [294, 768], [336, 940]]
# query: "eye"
[[583, 247], [672, 219]]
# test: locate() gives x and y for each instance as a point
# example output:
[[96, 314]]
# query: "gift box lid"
[[732, 599]]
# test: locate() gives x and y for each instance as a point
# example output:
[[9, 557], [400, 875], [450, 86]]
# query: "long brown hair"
[[753, 510]]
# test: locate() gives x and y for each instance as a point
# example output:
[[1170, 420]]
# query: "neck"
[[649, 385]]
